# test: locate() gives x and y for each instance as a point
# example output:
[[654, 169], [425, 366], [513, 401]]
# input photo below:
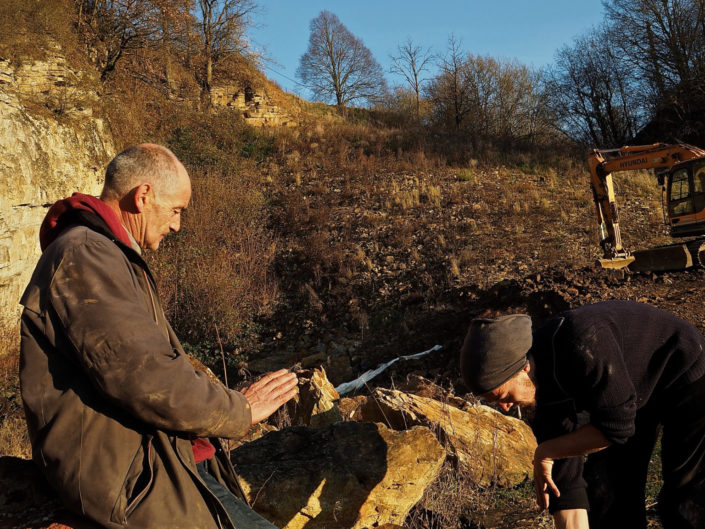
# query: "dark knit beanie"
[[494, 351]]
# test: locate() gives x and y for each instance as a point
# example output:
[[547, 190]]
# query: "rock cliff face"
[[52, 145], [257, 107]]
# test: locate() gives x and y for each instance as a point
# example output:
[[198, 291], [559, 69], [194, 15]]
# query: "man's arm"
[[126, 356], [583, 441]]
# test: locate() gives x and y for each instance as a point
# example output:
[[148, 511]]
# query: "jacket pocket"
[[136, 484]]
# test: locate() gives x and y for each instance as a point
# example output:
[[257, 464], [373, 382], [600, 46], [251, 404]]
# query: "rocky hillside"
[[52, 145], [378, 263], [380, 252], [56, 140]]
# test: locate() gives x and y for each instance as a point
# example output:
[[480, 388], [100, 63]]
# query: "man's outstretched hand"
[[543, 480], [270, 392]]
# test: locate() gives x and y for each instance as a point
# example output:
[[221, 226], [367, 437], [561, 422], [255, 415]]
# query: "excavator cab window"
[[699, 186], [680, 198]]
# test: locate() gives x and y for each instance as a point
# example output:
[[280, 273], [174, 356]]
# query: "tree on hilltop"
[[487, 100], [450, 91], [116, 28], [338, 66], [593, 93], [411, 61]]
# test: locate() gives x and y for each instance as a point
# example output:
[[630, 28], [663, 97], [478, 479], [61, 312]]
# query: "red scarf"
[[55, 221]]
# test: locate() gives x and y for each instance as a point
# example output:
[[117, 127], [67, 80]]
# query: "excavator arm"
[[604, 162]]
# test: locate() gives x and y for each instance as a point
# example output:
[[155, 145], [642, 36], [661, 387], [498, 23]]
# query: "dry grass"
[[34, 29], [453, 501], [14, 440]]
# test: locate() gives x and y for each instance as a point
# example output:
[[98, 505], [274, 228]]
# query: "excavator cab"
[[686, 199]]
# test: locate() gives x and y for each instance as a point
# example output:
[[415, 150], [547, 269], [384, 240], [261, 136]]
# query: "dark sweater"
[[605, 363]]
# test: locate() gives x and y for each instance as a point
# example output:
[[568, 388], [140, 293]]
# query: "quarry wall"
[[51, 145]]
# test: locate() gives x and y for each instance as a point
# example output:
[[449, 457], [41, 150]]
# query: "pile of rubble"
[[351, 462]]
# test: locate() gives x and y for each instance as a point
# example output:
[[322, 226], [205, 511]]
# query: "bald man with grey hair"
[[120, 422], [148, 188], [138, 164]]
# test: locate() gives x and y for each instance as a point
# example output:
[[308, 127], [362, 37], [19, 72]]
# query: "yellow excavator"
[[680, 170]]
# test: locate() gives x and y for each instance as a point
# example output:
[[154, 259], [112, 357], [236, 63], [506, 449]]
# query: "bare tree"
[[411, 62], [665, 39], [665, 43], [338, 66], [593, 93], [115, 28], [223, 26], [174, 18], [449, 90], [483, 99]]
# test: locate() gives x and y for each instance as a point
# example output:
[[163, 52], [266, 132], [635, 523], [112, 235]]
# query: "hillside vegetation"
[[355, 237]]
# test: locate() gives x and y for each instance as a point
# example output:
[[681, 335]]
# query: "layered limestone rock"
[[348, 475], [344, 475], [256, 106], [489, 446], [51, 146]]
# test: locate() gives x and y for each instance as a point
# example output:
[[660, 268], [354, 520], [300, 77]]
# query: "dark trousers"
[[242, 516], [616, 476]]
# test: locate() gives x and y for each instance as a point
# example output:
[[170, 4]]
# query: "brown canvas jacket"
[[110, 397]]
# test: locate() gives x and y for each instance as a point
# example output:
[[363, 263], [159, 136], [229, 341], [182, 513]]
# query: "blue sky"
[[530, 31]]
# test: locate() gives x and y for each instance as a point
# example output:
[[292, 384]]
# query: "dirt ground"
[[374, 266]]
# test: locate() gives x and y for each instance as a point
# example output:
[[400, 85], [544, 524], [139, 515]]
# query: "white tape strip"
[[347, 387]]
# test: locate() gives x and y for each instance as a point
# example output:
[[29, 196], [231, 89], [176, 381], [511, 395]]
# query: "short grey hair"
[[152, 164]]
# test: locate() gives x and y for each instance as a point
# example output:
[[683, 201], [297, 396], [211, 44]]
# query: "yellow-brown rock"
[[489, 446], [257, 107], [317, 402], [350, 407], [423, 387], [348, 475]]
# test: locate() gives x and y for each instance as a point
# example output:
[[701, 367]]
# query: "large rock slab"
[[489, 446], [348, 475]]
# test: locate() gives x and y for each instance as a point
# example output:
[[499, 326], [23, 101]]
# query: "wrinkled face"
[[163, 215], [517, 391]]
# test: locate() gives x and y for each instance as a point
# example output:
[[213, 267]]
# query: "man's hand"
[[270, 392], [583, 441], [543, 481]]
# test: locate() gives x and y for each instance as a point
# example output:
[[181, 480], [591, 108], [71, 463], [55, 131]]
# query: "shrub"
[[14, 440], [214, 275]]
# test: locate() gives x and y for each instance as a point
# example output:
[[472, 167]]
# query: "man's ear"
[[140, 196], [527, 367]]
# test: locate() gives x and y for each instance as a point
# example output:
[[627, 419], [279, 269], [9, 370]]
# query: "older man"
[[603, 378], [118, 418]]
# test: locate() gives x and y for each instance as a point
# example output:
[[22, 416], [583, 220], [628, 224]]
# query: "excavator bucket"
[[617, 262]]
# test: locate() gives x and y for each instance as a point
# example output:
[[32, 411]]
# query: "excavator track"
[[679, 256]]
